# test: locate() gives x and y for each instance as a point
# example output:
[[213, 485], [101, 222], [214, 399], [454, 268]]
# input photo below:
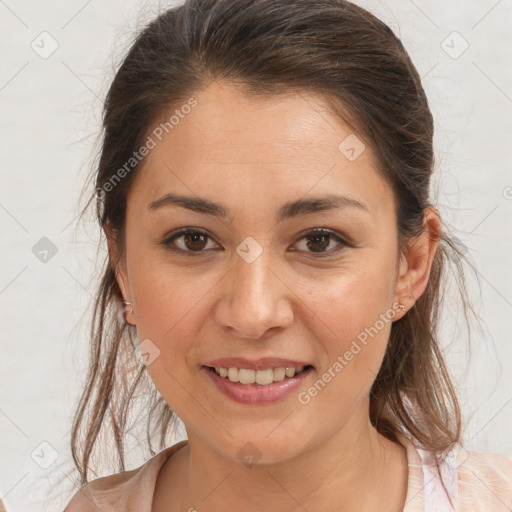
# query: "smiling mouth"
[[261, 377]]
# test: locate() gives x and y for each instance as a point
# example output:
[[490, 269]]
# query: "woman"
[[264, 190]]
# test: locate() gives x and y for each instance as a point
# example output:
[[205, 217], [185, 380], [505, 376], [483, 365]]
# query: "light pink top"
[[476, 481]]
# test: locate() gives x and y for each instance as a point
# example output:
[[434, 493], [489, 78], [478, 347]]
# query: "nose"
[[255, 298]]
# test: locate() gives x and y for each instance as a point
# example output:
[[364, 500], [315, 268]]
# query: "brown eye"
[[319, 240], [191, 241], [195, 241]]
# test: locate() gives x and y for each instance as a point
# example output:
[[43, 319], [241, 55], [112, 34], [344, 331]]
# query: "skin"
[[253, 156]]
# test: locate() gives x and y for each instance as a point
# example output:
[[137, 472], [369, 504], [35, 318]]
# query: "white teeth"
[[264, 377], [290, 372], [261, 377], [233, 374], [279, 374], [246, 376]]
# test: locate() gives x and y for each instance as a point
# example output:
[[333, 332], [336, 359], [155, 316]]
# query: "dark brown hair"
[[332, 48]]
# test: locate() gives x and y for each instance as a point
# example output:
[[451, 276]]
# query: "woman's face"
[[256, 283]]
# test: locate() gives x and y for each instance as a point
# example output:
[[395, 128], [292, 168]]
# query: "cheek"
[[168, 304], [353, 317], [170, 311], [354, 348], [171, 306]]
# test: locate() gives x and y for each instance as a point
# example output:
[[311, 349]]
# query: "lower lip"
[[254, 393]]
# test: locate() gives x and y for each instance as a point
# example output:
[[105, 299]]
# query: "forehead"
[[233, 148]]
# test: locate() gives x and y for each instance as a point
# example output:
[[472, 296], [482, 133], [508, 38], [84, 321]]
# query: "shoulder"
[[485, 480], [128, 491], [104, 493], [477, 481]]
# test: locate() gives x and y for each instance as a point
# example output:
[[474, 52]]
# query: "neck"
[[357, 469]]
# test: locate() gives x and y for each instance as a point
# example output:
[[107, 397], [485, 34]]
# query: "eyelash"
[[311, 233]]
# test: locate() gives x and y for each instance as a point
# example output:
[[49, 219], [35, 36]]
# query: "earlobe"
[[119, 266], [403, 284]]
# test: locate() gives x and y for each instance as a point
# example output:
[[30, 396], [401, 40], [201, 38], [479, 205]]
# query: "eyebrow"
[[287, 211]]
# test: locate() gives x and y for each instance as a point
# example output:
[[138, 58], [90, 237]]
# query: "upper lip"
[[259, 364]]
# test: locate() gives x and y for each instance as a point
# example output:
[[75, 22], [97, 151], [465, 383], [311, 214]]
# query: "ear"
[[416, 264], [118, 263]]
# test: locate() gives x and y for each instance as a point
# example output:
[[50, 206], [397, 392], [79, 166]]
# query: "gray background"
[[50, 120]]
